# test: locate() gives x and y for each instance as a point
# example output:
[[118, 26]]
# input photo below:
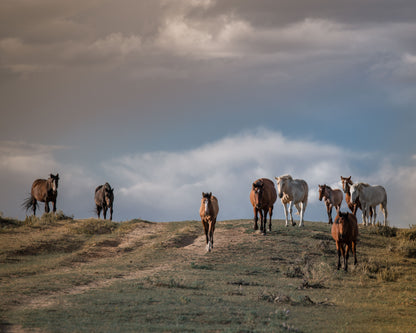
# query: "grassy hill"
[[63, 275]]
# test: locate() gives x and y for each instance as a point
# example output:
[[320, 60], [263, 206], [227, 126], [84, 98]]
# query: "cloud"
[[167, 185]]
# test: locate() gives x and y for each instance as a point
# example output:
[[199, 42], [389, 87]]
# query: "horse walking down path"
[[293, 192], [345, 233], [332, 198], [208, 212], [43, 190]]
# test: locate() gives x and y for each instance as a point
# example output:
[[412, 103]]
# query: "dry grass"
[[93, 275]]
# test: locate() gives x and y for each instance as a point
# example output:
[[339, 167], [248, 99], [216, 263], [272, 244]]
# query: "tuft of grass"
[[94, 227]]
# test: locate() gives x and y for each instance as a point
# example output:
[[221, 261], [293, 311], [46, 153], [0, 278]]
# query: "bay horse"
[[332, 198], [293, 192], [208, 213], [345, 233], [370, 197], [104, 198], [263, 196], [353, 206], [43, 190]]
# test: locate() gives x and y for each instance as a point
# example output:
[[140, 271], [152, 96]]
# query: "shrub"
[[94, 227]]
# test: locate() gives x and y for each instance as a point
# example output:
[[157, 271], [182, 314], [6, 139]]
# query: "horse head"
[[346, 182], [281, 184], [341, 222], [206, 198], [321, 191], [355, 192], [108, 194], [258, 188], [53, 181]]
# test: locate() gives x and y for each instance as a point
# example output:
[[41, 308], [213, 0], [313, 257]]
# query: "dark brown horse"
[[332, 198], [104, 198], [353, 206], [208, 212], [43, 190], [263, 196], [345, 233]]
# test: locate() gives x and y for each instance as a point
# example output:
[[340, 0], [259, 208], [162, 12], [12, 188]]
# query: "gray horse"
[[104, 198]]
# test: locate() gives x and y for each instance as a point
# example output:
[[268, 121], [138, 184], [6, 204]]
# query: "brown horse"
[[332, 198], [104, 198], [345, 233], [208, 212], [353, 206], [43, 190], [263, 196]]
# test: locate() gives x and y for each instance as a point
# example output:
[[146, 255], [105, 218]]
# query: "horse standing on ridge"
[[43, 190], [263, 196], [293, 192], [208, 212], [353, 206], [104, 198], [370, 197], [345, 233], [332, 198]]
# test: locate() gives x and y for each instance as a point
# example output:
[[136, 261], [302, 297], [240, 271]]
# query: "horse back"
[[373, 195], [270, 194], [338, 196], [40, 189]]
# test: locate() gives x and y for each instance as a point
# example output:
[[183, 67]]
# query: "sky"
[[165, 99]]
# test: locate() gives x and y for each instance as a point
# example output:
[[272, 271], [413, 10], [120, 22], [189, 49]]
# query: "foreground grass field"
[[63, 275]]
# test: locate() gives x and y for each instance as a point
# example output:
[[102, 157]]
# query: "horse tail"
[[28, 203]]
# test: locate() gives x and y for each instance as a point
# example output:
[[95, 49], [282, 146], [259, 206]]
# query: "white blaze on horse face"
[[54, 185], [279, 187], [206, 206]]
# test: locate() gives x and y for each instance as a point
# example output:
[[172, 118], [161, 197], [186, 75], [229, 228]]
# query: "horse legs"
[[54, 206], [46, 206], [34, 204], [211, 235], [290, 212], [384, 209], [98, 209], [302, 213], [256, 226], [353, 249], [270, 218], [111, 212], [339, 254], [374, 215], [285, 209], [346, 255], [262, 221], [329, 212], [105, 212]]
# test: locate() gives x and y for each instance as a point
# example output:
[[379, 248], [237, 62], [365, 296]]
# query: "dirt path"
[[223, 239]]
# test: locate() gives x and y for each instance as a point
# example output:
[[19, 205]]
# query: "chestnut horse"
[[263, 196], [208, 212], [345, 233], [43, 190], [104, 198], [353, 206], [332, 198], [293, 192]]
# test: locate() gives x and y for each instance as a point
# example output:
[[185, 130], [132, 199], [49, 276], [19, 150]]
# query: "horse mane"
[[98, 188], [286, 177]]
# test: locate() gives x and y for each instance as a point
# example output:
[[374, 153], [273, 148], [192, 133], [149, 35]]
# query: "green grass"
[[97, 276]]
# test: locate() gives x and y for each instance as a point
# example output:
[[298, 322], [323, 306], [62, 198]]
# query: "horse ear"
[[210, 194], [203, 194]]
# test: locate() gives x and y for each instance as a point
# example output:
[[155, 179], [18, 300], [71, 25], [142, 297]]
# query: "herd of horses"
[[294, 192], [263, 195]]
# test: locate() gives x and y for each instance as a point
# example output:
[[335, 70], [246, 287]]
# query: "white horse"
[[293, 192], [370, 197]]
